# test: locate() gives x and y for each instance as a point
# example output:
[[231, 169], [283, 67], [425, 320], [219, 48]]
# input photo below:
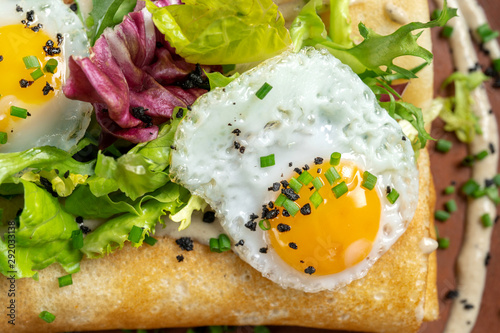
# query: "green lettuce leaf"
[[63, 185], [184, 215], [340, 23], [216, 32], [217, 79], [42, 237]]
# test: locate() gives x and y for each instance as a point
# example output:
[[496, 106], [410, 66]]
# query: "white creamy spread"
[[428, 245], [396, 13]]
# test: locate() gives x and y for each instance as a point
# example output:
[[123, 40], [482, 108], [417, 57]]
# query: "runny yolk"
[[17, 42], [336, 235]]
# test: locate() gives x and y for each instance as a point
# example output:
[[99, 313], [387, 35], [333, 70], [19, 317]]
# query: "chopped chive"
[[496, 179], [279, 200], [316, 199], [486, 220], [496, 64], [481, 155], [267, 161], [485, 33], [38, 73], [470, 187], [441, 215], [18, 112], [480, 192], [332, 175], [291, 207], [135, 234], [447, 31], [340, 189], [150, 240], [77, 239], [3, 138], [263, 91], [214, 245], [50, 66], [305, 177], [492, 193], [393, 196], [31, 62], [335, 158], [451, 206], [443, 146], [224, 242], [449, 190], [64, 281], [443, 242], [295, 185], [369, 180], [265, 225], [317, 183], [47, 316], [435, 14]]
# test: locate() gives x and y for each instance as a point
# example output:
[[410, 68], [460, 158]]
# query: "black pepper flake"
[[271, 204], [30, 16], [284, 183], [305, 167], [403, 138], [275, 188], [185, 243], [1, 58], [306, 209], [452, 294], [242, 149], [487, 259], [47, 88], [297, 170], [492, 147], [290, 164], [140, 113], [209, 217], [254, 216], [189, 107], [468, 306], [311, 188], [73, 7], [85, 229], [290, 194], [310, 270], [66, 174], [318, 160], [292, 245], [263, 250], [28, 114], [283, 227], [179, 113], [269, 214], [237, 132], [19, 8], [252, 225], [285, 213], [171, 147], [56, 171], [79, 219], [48, 186], [319, 170], [195, 79], [236, 145], [25, 83], [180, 258], [302, 261], [37, 27], [388, 189], [241, 242]]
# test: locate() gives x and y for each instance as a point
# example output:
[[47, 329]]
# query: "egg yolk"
[[17, 42], [336, 235]]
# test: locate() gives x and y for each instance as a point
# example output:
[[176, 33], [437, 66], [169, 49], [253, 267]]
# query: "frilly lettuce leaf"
[[184, 215], [217, 32], [63, 185], [43, 236], [217, 79]]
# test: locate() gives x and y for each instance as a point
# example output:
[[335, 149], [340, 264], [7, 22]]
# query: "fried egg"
[[33, 109], [264, 163]]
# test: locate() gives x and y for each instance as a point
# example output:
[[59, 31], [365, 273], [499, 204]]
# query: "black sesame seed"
[[311, 188], [292, 245], [47, 88], [242, 149], [290, 194], [236, 145], [252, 225], [290, 164], [236, 131], [463, 301], [254, 216], [302, 261], [269, 214], [492, 147], [284, 183], [275, 188], [171, 147], [468, 322], [491, 111], [48, 186], [179, 113], [208, 217], [487, 259], [319, 170], [79, 219], [19, 8], [30, 16], [140, 113], [306, 209], [305, 167], [270, 204], [180, 258], [66, 174], [297, 170], [56, 171], [468, 306], [49, 43], [452, 294], [488, 182], [1, 58], [310, 270], [283, 227], [189, 107], [388, 189], [85, 229], [25, 83], [263, 250], [318, 160], [241, 242], [185, 243], [73, 7], [403, 138]]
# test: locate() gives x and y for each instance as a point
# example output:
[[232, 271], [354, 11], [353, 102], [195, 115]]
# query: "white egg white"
[[317, 106]]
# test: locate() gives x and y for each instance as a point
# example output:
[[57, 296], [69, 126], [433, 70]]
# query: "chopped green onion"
[[486, 220], [214, 245], [470, 187], [443, 242], [443, 146], [38, 73], [291, 207], [265, 225], [441, 215], [3, 138], [340, 190], [496, 64], [332, 175], [480, 192], [317, 183], [77, 239], [481, 155], [335, 158], [451, 206], [316, 199], [435, 14], [267, 161], [449, 190], [295, 185], [31, 62], [393, 196], [468, 160], [151, 241], [496, 179], [280, 200], [18, 112], [305, 177], [135, 234], [447, 31], [224, 242], [261, 329], [485, 33], [64, 281], [263, 91], [51, 66], [369, 180], [47, 316], [492, 193]]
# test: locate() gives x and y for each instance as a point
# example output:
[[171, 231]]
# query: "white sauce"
[[396, 13], [471, 269], [428, 245]]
